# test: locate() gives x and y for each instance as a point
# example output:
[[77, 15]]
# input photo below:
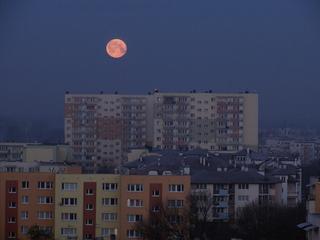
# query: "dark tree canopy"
[[270, 222]]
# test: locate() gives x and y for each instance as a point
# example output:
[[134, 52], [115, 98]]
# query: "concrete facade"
[[102, 128]]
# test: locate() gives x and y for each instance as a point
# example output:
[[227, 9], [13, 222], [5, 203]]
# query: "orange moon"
[[116, 48]]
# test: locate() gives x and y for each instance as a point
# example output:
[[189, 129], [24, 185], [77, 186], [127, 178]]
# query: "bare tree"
[[201, 206], [166, 223]]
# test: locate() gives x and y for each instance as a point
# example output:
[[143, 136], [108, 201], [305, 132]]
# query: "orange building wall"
[[162, 182], [33, 207]]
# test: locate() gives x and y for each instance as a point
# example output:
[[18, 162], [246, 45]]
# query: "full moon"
[[116, 48]]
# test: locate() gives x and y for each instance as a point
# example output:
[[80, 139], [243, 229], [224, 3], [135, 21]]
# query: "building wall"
[[149, 182], [11, 151], [85, 181], [46, 153], [252, 193], [40, 153], [101, 128], [251, 116], [33, 207]]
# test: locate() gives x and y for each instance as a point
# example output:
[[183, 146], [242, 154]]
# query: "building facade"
[[32, 152], [87, 206], [101, 128], [67, 204], [220, 195], [11, 151], [142, 196], [28, 199]]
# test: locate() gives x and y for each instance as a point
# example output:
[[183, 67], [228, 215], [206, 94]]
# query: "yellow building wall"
[[39, 153], [80, 179]]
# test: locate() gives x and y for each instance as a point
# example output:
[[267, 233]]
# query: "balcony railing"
[[221, 192]]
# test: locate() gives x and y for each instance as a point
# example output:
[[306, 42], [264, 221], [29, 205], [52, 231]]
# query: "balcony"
[[220, 216], [221, 192], [223, 204]]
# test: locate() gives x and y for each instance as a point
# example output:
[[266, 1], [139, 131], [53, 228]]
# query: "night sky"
[[272, 47]]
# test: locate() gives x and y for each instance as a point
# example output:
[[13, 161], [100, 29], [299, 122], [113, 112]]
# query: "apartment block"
[[219, 195], [87, 206], [143, 196], [11, 151], [102, 128], [31, 152], [212, 121], [28, 199]]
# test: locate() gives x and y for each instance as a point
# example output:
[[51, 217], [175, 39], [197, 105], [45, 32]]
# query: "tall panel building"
[[102, 128], [212, 121]]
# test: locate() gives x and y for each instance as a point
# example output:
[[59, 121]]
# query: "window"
[[89, 206], [12, 190], [175, 219], [133, 234], [155, 209], [175, 203], [201, 186], [89, 222], [135, 187], [109, 216], [46, 229], [155, 193], [106, 232], [243, 198], [45, 185], [88, 236], [135, 218], [12, 204], [69, 186], [24, 215], [243, 186], [68, 231], [24, 229], [89, 191], [109, 201], [135, 203], [69, 216], [176, 187], [44, 215], [25, 184], [12, 220], [45, 200], [25, 199], [12, 235], [69, 201], [110, 186]]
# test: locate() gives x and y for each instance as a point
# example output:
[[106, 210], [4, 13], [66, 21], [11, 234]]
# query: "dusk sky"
[[272, 47]]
